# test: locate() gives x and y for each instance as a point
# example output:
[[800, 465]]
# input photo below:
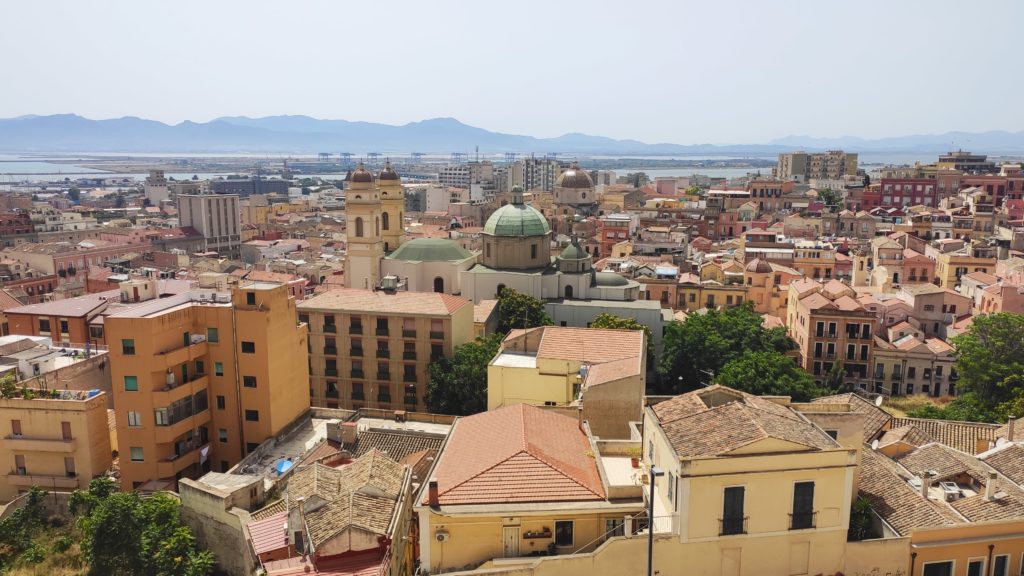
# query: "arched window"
[[385, 221], [568, 292], [438, 284], [359, 227]]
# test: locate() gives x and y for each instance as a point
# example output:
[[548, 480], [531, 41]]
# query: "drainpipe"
[[991, 568], [913, 559]]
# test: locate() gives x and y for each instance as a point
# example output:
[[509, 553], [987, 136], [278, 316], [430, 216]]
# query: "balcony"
[[408, 333], [330, 372], [383, 353], [357, 373], [331, 393], [355, 352], [408, 355], [355, 329], [330, 328], [410, 399], [409, 377], [171, 393], [27, 480], [34, 444], [173, 464], [174, 357], [384, 399], [382, 332], [168, 434], [732, 526], [331, 350], [383, 376], [803, 520], [436, 335]]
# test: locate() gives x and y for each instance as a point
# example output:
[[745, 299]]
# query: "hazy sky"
[[684, 71]]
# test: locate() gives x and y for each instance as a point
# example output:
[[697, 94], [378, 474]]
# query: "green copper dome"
[[574, 252], [430, 250], [516, 220]]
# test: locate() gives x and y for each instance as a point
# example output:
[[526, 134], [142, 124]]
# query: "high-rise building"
[[538, 173], [155, 187], [371, 348], [216, 217], [200, 379], [802, 167]]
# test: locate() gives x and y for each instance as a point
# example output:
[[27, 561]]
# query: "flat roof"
[[515, 360]]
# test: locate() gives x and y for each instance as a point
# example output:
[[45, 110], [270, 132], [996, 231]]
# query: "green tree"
[[518, 310], [860, 520], [704, 343], [832, 199], [990, 360], [768, 373], [459, 385], [74, 194]]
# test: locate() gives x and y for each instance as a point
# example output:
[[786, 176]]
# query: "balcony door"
[[510, 538]]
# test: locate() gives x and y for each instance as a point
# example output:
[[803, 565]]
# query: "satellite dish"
[[1000, 442], [878, 400], [874, 444]]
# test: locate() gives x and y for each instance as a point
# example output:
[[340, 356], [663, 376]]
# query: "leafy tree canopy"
[[990, 360], [518, 310], [459, 385], [611, 321], [769, 373], [706, 342]]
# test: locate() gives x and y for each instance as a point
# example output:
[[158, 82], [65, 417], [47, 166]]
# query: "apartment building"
[[814, 259], [372, 348], [55, 439], [909, 362], [200, 379], [829, 325], [802, 167], [217, 217]]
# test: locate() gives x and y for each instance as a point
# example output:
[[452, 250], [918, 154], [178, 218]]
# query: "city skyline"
[[732, 73]]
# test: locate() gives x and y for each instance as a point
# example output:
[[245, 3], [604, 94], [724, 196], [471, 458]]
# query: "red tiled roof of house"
[[266, 534], [518, 453], [592, 345], [399, 302]]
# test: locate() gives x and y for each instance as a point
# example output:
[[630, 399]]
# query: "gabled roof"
[[911, 435], [717, 420], [517, 454], [963, 436], [895, 500], [1008, 460], [874, 417]]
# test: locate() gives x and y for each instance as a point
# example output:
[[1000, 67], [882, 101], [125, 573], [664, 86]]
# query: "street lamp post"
[[655, 472]]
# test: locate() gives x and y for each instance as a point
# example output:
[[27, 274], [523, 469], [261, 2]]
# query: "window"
[[212, 335], [803, 506], [249, 381], [16, 428], [222, 435], [134, 419], [248, 347], [218, 368], [533, 250], [136, 454], [833, 434], [976, 567], [128, 347], [614, 527], [220, 402], [44, 325], [938, 569], [252, 415], [131, 383], [1001, 565], [250, 298], [563, 533], [732, 511]]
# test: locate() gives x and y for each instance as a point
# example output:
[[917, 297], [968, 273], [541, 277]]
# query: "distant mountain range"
[[302, 134]]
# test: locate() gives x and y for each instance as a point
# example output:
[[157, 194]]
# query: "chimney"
[[1010, 425], [432, 495], [992, 486], [349, 432], [925, 484]]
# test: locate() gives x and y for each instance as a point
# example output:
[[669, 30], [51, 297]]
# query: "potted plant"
[[635, 454]]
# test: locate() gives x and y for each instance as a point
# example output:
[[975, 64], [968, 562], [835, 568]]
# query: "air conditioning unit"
[[442, 536]]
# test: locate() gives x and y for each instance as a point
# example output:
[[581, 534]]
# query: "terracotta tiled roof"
[[517, 453], [396, 444], [892, 498], [377, 301], [906, 434], [1009, 461], [717, 420], [269, 510], [963, 436], [266, 534], [360, 564], [592, 345], [875, 418]]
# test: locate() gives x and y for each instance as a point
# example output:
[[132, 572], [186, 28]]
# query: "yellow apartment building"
[[372, 348], [604, 371], [58, 441], [201, 379], [950, 266]]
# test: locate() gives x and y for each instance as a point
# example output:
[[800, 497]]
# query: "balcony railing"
[[383, 353], [331, 393], [803, 520], [358, 396], [355, 329], [410, 399], [409, 377], [355, 351], [332, 350], [383, 376], [330, 328], [330, 371], [408, 355], [384, 398], [357, 373], [731, 526], [408, 333], [382, 332], [436, 335]]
